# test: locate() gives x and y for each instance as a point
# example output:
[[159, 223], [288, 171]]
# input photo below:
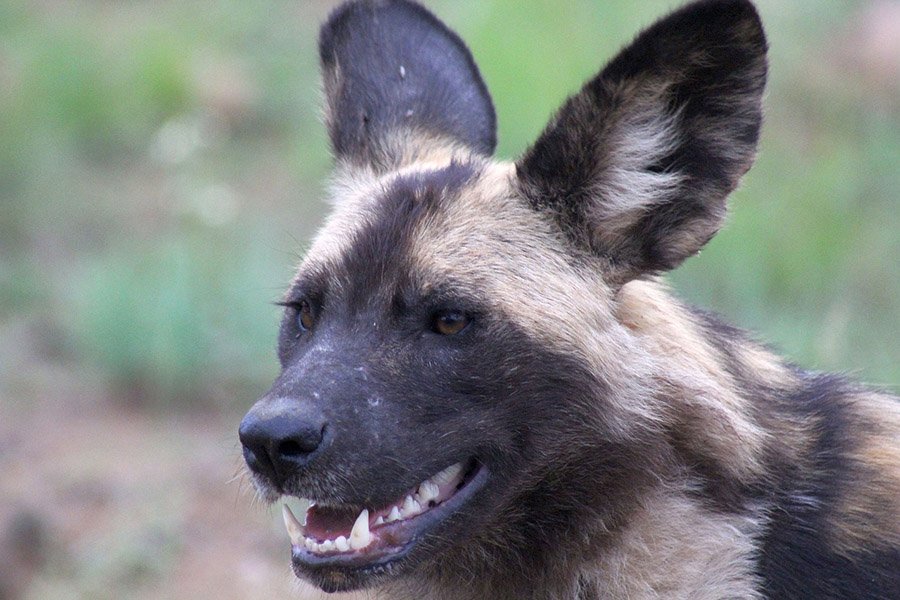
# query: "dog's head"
[[455, 375]]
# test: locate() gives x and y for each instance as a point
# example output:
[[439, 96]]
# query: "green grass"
[[162, 166]]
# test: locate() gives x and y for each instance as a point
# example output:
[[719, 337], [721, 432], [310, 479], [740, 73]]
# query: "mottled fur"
[[637, 448]]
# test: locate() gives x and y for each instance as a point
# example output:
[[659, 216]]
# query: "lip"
[[348, 571]]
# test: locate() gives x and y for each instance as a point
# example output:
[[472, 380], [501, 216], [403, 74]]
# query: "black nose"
[[277, 444]]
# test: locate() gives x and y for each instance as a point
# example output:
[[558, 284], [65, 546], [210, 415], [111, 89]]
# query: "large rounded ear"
[[637, 166], [398, 85]]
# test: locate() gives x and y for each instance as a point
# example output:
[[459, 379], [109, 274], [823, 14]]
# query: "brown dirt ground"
[[100, 502]]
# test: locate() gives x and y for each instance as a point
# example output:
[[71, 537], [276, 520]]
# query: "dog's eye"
[[305, 318], [449, 322]]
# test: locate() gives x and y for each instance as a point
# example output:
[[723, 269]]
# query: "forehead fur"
[[463, 220], [360, 198], [510, 254]]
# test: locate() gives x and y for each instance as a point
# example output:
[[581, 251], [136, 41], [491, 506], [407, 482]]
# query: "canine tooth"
[[449, 474], [341, 544], [379, 521], [310, 544], [359, 535], [293, 526], [411, 507], [427, 491], [326, 546], [394, 515]]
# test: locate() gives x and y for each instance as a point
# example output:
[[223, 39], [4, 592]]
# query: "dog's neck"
[[699, 555]]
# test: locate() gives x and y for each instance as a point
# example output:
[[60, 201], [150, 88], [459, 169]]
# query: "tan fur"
[[420, 148], [676, 550], [639, 136], [869, 513], [766, 365], [353, 192], [691, 366]]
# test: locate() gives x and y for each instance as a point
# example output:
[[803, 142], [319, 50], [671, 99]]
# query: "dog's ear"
[[637, 166], [398, 84]]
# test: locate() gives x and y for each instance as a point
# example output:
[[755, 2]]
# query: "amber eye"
[[305, 316], [449, 322]]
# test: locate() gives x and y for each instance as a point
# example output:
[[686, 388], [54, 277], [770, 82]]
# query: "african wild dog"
[[486, 390]]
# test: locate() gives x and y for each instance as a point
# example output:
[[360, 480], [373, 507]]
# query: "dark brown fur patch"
[[386, 89]]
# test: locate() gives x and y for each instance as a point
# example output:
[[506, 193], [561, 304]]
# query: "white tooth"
[[379, 521], [294, 528], [341, 544], [359, 535], [427, 491], [310, 544], [447, 475], [394, 515], [326, 546], [411, 507]]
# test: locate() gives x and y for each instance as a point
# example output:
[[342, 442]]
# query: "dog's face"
[[450, 347], [414, 349]]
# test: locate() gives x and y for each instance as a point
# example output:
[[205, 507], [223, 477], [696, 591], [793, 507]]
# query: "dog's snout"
[[276, 445]]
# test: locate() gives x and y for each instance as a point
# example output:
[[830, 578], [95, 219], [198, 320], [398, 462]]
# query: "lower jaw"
[[336, 577], [347, 572]]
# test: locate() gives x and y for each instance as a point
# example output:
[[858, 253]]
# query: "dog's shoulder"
[[836, 519]]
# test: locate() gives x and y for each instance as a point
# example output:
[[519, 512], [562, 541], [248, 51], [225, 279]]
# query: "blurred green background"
[[161, 171]]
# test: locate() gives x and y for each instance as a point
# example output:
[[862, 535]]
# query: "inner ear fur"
[[636, 167]]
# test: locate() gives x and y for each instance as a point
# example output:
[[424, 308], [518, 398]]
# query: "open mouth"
[[344, 539]]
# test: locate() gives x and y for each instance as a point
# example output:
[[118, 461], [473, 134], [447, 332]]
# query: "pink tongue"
[[323, 523]]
